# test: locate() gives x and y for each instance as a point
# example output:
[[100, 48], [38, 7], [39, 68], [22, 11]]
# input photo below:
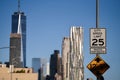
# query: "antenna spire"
[[18, 5]]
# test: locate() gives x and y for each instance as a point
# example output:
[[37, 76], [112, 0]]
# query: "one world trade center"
[[18, 28]]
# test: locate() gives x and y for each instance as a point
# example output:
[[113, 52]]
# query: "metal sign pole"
[[98, 46], [97, 25], [97, 13], [97, 16], [100, 78]]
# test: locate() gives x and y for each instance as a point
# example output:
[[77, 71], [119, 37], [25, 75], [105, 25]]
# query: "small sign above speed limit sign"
[[97, 40]]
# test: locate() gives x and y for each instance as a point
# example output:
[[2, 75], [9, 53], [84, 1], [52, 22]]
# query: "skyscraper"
[[36, 64], [65, 58], [76, 54], [40, 63], [55, 65], [72, 55], [15, 52], [19, 27]]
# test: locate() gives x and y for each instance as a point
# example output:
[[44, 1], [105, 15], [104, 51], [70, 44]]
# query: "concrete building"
[[15, 50], [11, 73], [65, 58]]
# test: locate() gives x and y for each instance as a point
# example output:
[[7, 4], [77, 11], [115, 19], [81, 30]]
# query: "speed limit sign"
[[97, 40]]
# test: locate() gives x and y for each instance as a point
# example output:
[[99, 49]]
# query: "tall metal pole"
[[97, 21], [97, 17], [97, 26], [97, 13]]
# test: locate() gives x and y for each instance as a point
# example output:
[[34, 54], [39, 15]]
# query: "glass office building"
[[36, 64], [19, 27], [40, 63]]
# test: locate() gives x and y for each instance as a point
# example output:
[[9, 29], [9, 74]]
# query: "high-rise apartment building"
[[19, 27], [76, 54], [72, 55]]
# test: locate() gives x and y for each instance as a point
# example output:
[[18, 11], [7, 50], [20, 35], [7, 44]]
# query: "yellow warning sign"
[[98, 66]]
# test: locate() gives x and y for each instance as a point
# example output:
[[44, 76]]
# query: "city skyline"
[[51, 20]]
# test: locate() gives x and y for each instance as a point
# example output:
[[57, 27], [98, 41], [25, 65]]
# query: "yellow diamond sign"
[[98, 66]]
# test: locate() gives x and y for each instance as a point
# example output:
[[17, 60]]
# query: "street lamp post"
[[7, 47]]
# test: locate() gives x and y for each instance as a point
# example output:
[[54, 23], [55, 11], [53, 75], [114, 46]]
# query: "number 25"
[[97, 42]]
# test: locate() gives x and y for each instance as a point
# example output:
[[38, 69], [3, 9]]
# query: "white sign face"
[[98, 40]]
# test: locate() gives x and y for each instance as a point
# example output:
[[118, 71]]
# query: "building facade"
[[19, 27], [8, 73]]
